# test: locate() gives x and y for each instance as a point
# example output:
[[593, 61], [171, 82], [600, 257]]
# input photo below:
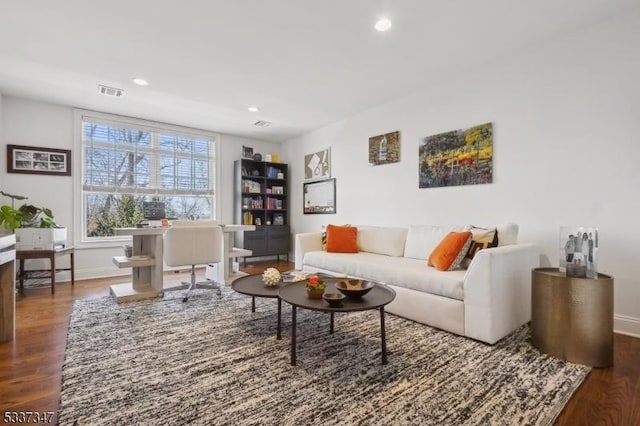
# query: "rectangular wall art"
[[319, 197], [384, 149], [458, 157], [38, 160], [317, 165]]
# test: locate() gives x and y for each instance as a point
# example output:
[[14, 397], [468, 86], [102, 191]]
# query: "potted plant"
[[25, 216], [34, 226]]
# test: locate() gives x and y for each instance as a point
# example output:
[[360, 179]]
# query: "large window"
[[124, 165]]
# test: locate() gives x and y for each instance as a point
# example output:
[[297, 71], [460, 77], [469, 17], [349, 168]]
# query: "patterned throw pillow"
[[482, 238], [448, 255]]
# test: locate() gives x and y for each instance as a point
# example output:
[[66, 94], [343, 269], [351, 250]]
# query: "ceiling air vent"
[[110, 91], [262, 123]]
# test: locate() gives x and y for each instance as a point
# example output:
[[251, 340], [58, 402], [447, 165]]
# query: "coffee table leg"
[[382, 335], [293, 335], [253, 303], [279, 335], [331, 326]]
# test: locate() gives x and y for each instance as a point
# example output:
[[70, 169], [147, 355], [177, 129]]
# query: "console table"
[[146, 265], [572, 318]]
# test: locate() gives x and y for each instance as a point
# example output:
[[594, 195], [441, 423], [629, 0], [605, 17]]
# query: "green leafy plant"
[[25, 216]]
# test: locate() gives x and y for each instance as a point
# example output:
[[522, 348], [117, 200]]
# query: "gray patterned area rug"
[[212, 361]]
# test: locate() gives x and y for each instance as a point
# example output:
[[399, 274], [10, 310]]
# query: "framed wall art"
[[384, 149], [317, 165], [458, 157], [319, 197], [38, 160]]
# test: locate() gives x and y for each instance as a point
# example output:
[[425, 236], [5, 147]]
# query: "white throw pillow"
[[422, 239]]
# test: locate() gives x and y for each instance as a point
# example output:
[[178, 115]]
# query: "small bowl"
[[354, 288], [334, 299]]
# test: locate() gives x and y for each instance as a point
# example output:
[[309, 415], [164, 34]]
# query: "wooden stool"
[[22, 255]]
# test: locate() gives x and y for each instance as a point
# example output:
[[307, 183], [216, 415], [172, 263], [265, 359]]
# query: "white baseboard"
[[626, 325]]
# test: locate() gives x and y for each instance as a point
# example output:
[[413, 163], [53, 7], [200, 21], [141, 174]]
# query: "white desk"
[[146, 263], [232, 252]]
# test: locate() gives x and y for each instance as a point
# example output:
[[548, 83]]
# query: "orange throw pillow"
[[342, 239], [448, 255]]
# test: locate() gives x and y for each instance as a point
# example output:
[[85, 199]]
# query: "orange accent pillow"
[[450, 252], [342, 239]]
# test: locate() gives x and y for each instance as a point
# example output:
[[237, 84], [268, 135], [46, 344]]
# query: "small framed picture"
[[247, 152], [37, 160]]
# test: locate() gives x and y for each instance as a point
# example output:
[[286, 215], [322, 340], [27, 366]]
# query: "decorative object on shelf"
[[334, 299], [257, 156], [384, 149], [317, 165], [579, 251], [128, 250], [320, 197], [267, 158], [247, 152], [354, 288], [271, 277], [275, 158], [458, 157], [315, 287], [38, 160], [278, 219]]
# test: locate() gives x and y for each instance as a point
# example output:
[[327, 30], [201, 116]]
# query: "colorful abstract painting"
[[459, 157]]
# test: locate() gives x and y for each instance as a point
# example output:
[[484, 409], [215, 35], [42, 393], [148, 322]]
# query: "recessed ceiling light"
[[140, 81], [253, 108], [383, 24]]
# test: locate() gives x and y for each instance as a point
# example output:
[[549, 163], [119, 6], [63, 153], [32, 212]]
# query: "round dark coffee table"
[[296, 295], [252, 285]]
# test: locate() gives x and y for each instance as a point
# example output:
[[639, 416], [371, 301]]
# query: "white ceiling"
[[306, 63]]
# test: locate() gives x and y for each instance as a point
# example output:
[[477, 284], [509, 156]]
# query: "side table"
[[22, 255], [572, 318]]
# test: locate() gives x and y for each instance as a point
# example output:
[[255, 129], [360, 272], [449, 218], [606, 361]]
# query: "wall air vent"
[[110, 91], [262, 123]]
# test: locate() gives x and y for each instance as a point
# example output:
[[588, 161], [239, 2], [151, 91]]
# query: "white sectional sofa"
[[485, 302]]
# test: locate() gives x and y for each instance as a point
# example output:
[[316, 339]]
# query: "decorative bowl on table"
[[334, 299], [354, 288]]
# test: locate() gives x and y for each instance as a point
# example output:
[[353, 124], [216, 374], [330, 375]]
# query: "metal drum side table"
[[572, 318]]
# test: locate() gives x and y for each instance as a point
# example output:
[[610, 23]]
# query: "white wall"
[[566, 146], [33, 123]]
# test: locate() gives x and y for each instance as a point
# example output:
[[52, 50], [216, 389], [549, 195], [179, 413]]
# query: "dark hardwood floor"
[[31, 365]]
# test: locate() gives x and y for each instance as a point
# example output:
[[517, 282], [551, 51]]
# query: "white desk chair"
[[193, 243]]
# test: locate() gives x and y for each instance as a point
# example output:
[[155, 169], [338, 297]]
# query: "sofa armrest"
[[309, 241], [497, 291]]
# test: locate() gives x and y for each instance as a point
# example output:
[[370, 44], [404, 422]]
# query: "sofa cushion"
[[422, 239], [342, 239], [398, 271], [450, 252], [382, 240]]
